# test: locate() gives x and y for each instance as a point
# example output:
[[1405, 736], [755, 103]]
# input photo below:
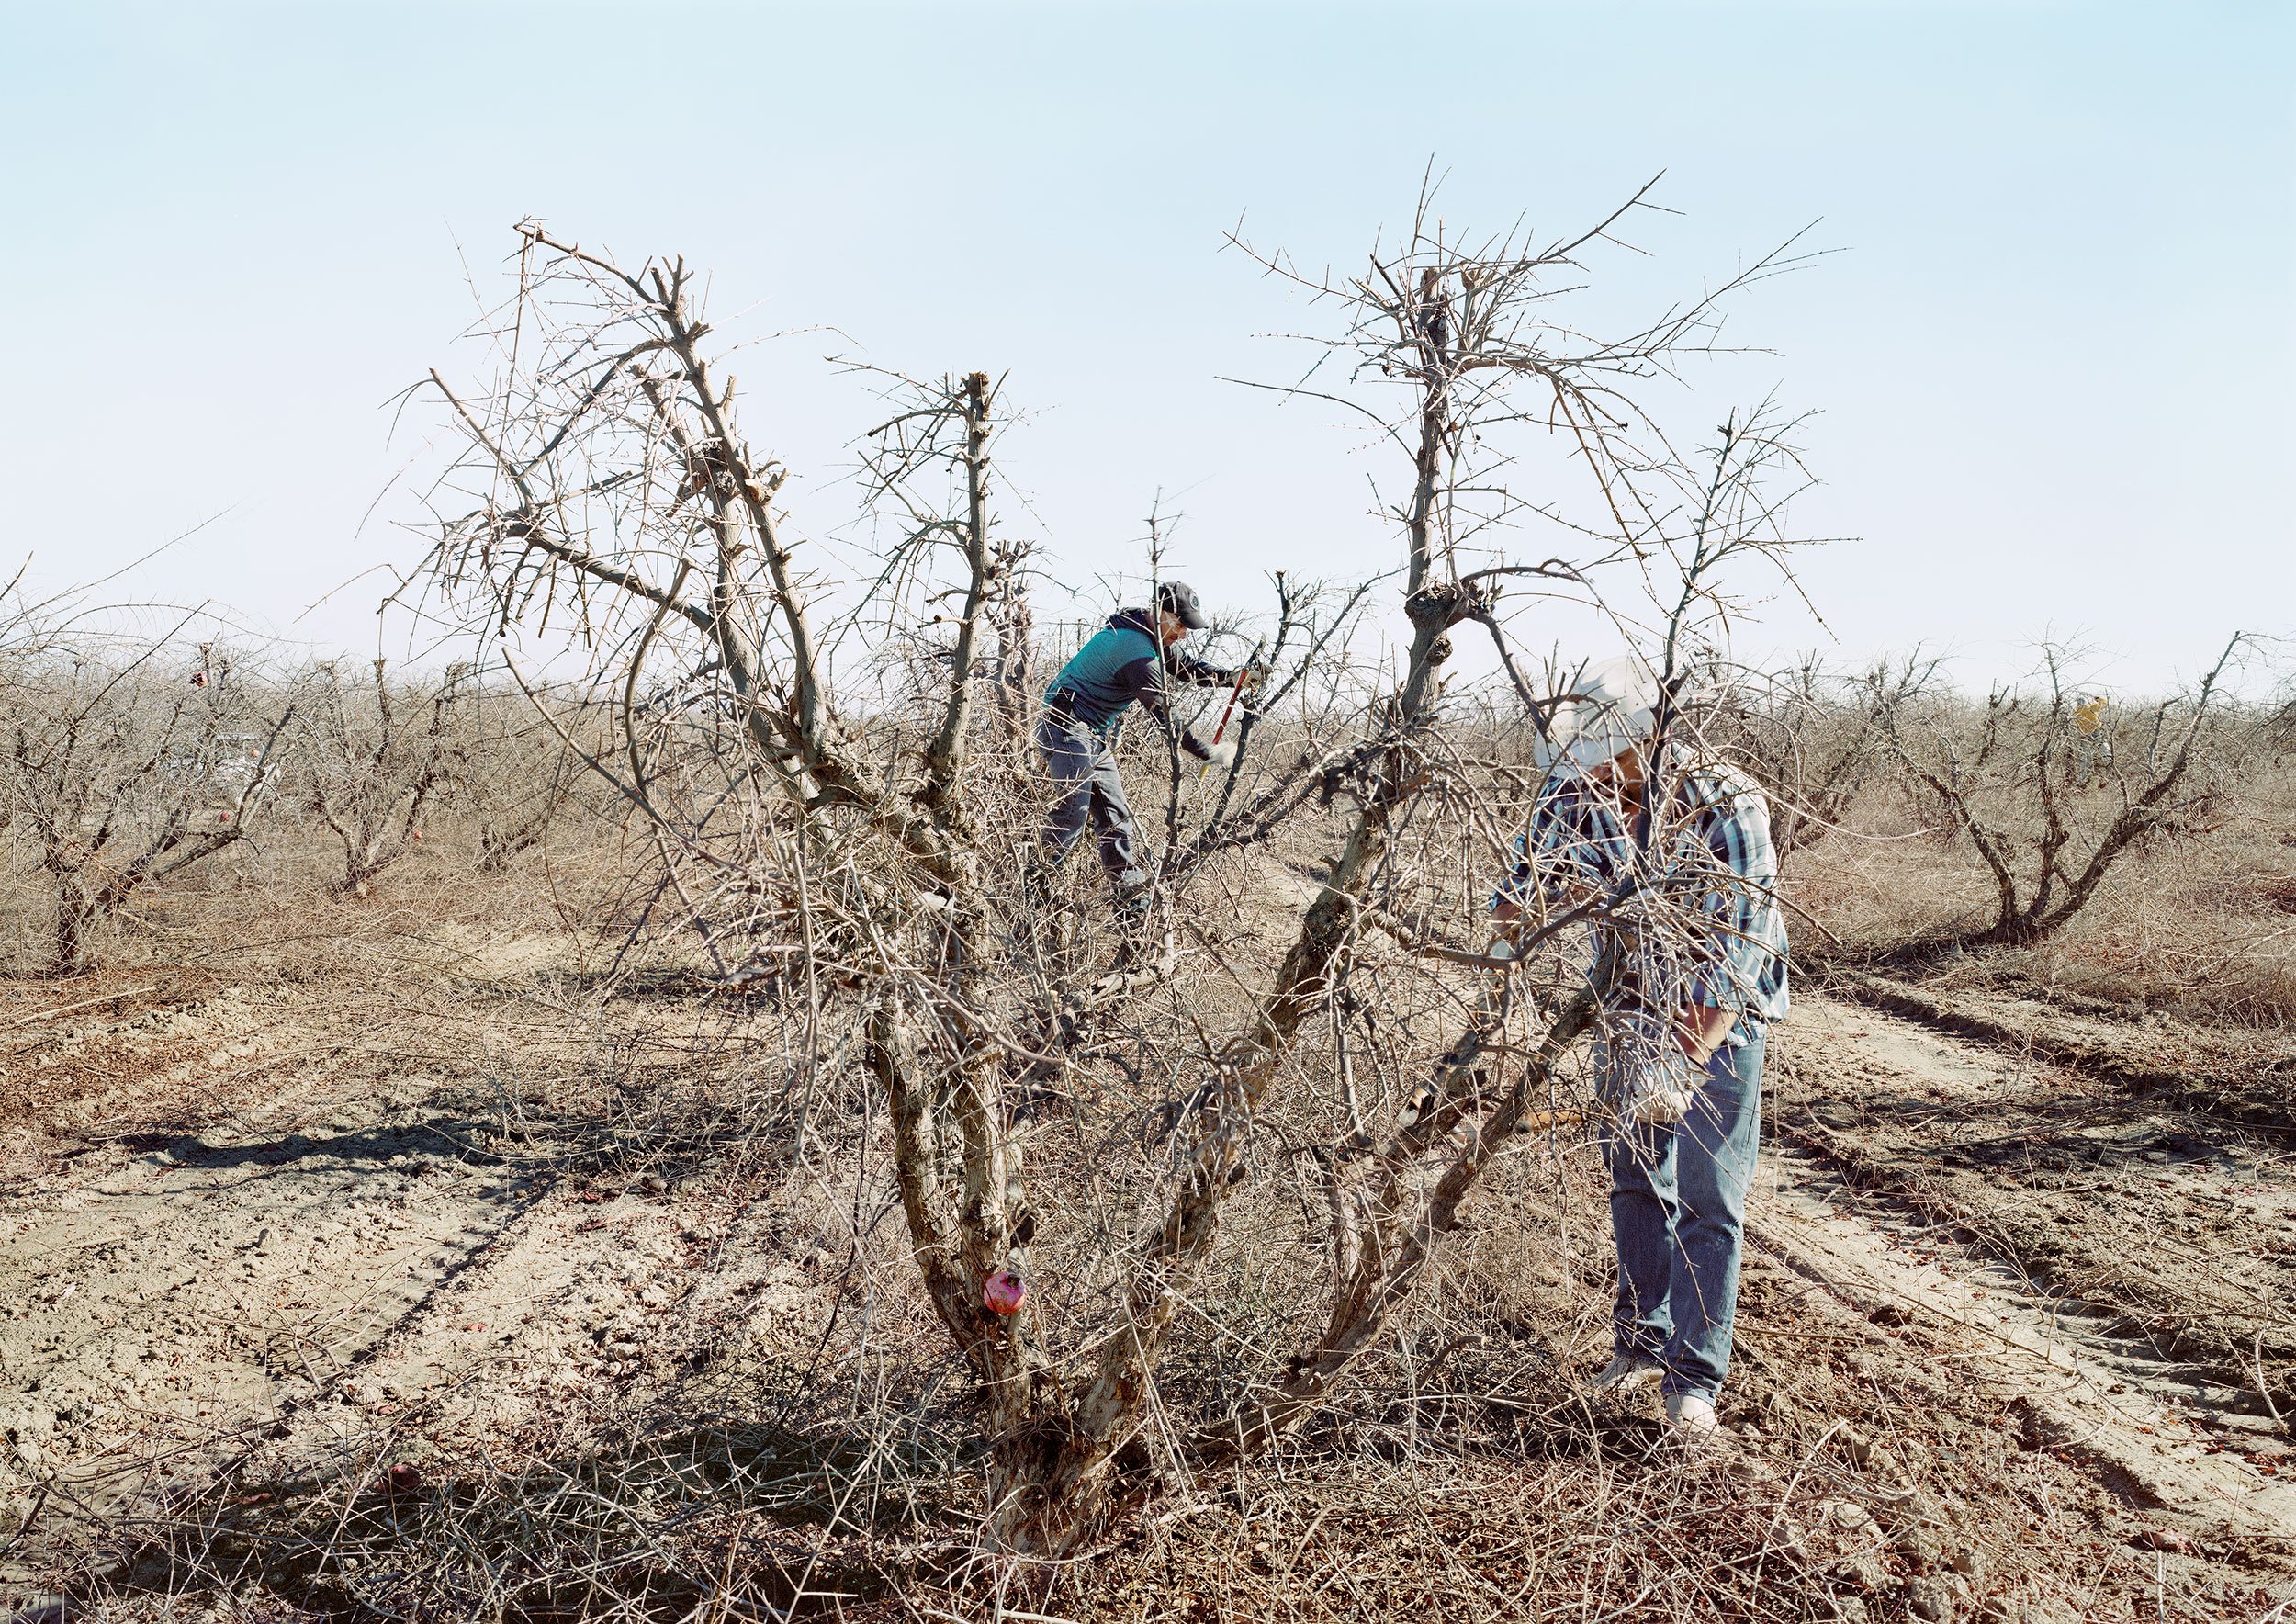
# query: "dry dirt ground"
[[2016, 1339]]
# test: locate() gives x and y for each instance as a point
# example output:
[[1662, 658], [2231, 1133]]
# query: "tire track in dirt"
[[2082, 1375], [2181, 1220], [312, 1280], [212, 1287], [2244, 1077]]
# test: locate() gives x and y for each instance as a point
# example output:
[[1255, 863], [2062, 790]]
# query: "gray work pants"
[[1083, 772]]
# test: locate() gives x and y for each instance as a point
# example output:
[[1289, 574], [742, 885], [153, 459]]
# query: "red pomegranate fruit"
[[1003, 1292]]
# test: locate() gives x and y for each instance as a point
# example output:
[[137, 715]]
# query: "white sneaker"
[[1691, 1414], [1624, 1373]]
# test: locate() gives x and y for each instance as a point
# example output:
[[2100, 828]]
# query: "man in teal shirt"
[[1135, 657]]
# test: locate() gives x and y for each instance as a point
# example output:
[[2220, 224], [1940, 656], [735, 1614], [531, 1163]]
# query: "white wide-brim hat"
[[1606, 708]]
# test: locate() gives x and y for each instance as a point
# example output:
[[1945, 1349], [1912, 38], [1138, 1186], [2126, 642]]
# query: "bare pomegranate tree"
[[837, 803], [128, 768], [2051, 786], [1815, 738], [521, 775], [375, 756]]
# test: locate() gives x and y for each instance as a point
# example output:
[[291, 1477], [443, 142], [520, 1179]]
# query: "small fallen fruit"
[[1003, 1291], [404, 1478]]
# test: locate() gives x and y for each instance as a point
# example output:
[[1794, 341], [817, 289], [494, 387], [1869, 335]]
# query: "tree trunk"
[[78, 913], [1015, 683], [2018, 929], [362, 864], [499, 847]]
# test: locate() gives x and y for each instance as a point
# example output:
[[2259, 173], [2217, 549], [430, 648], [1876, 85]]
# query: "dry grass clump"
[[1884, 880]]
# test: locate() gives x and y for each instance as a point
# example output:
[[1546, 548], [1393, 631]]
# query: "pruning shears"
[[1243, 674]]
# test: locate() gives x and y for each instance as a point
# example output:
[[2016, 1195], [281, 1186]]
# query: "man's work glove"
[[1253, 675], [1661, 1105], [1221, 753], [1649, 1080]]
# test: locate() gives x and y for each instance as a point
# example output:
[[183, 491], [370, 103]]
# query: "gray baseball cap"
[[1177, 597]]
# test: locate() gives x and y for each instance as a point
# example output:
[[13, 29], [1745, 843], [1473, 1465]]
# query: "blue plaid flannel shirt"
[[1720, 845]]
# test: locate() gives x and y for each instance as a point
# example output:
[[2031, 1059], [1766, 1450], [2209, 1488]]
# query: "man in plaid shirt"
[[1672, 858]]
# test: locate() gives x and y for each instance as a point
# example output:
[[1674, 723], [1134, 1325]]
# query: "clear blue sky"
[[2056, 362]]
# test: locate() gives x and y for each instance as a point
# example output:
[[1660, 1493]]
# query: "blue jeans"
[[1677, 1210], [1083, 771]]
